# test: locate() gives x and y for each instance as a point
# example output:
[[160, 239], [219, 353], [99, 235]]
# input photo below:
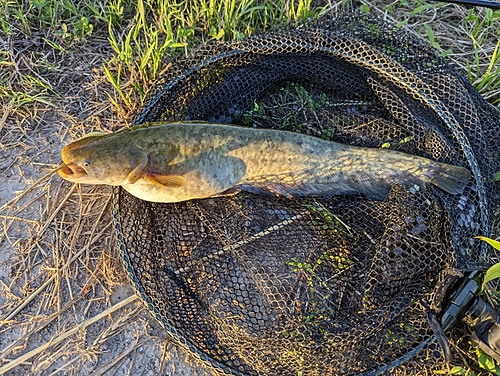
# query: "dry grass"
[[65, 305]]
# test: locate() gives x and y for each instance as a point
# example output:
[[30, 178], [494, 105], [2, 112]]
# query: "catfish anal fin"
[[372, 190], [228, 192]]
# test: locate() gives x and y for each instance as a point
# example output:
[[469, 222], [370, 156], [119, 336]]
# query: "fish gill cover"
[[320, 285]]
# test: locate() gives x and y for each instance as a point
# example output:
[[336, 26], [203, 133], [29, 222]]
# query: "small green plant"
[[328, 220], [481, 23], [433, 42], [79, 31], [257, 111], [296, 360], [487, 83], [327, 134], [364, 8], [482, 26], [21, 98], [487, 363], [418, 9], [388, 145], [338, 260], [403, 337], [456, 370], [494, 271], [294, 102]]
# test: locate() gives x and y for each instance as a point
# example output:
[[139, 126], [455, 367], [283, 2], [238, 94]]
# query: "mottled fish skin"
[[172, 162]]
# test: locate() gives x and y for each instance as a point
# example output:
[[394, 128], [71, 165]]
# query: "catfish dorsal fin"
[[171, 181], [93, 134]]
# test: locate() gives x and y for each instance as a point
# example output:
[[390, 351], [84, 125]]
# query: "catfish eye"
[[86, 163]]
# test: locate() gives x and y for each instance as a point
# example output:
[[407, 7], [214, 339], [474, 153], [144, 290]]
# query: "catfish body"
[[173, 162]]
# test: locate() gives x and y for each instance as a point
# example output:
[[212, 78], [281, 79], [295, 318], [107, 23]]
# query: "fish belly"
[[205, 177]]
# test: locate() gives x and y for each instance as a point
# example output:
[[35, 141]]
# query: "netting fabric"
[[264, 285]]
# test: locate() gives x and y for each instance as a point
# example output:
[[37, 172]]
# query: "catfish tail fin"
[[449, 178]]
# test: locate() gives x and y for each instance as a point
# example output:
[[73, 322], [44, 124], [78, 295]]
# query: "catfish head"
[[101, 158]]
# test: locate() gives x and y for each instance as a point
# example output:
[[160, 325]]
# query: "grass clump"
[[469, 37], [161, 27], [71, 20]]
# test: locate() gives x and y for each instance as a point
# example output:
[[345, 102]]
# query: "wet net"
[[256, 284]]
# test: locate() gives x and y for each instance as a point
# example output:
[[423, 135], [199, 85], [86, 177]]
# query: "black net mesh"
[[319, 285]]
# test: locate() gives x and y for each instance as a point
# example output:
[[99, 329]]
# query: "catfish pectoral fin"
[[171, 181]]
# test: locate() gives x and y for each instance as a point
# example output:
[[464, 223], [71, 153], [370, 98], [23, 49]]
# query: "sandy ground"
[[59, 264]]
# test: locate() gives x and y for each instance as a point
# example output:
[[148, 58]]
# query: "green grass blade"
[[494, 271], [491, 273], [494, 243], [493, 60], [115, 82]]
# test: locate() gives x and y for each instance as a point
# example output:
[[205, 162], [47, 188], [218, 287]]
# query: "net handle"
[[478, 3]]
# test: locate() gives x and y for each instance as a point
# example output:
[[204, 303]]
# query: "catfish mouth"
[[71, 172]]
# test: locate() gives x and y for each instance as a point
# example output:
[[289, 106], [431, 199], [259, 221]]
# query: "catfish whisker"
[[30, 188]]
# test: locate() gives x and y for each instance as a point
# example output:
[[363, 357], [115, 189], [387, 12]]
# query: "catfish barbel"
[[178, 161]]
